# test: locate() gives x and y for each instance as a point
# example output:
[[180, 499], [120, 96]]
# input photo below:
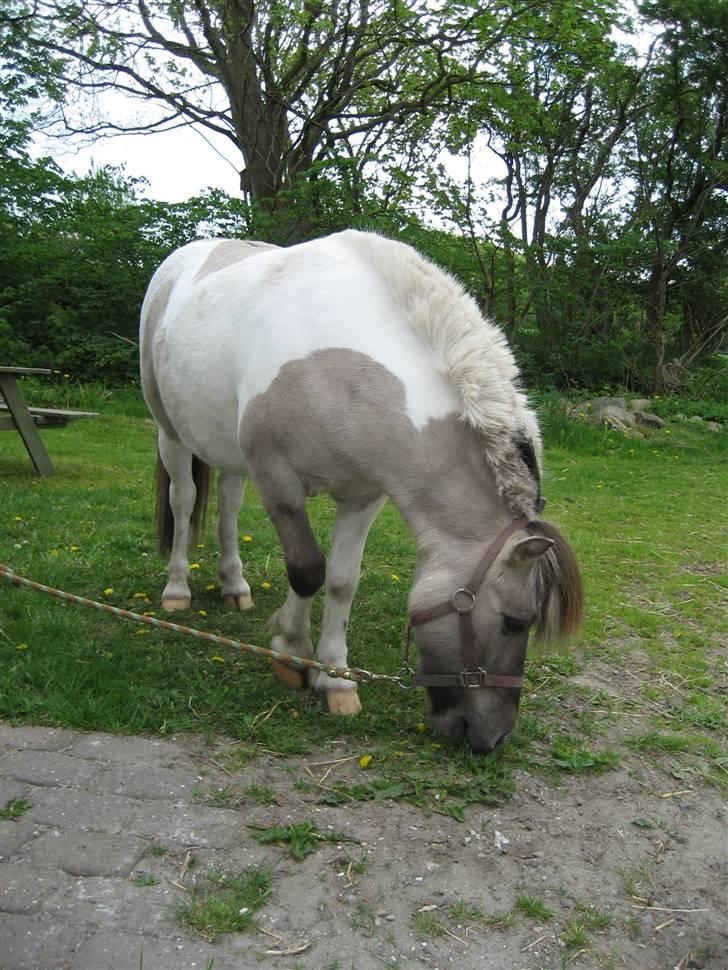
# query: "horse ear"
[[527, 551]]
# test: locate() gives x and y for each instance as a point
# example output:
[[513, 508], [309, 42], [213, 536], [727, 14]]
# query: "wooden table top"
[[25, 370]]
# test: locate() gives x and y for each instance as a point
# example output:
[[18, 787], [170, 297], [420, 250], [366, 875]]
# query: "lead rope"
[[344, 673]]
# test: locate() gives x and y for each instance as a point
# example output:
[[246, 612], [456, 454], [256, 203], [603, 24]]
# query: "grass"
[[644, 514], [303, 838], [534, 908], [226, 902], [15, 808]]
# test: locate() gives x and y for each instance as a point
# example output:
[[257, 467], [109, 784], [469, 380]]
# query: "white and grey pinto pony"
[[351, 365]]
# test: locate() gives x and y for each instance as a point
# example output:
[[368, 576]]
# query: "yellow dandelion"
[[18, 518], [265, 584], [55, 552], [247, 538], [202, 612], [200, 545], [395, 578], [422, 727], [219, 660], [210, 586], [109, 591], [365, 760], [22, 646], [294, 714], [194, 565], [140, 596], [142, 630], [74, 548], [149, 613]]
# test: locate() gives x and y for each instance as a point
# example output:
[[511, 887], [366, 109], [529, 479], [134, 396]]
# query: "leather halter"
[[462, 602]]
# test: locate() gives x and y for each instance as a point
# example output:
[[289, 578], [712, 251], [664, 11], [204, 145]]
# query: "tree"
[[678, 155], [289, 84]]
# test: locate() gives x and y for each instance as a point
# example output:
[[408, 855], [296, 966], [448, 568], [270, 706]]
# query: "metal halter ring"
[[469, 606]]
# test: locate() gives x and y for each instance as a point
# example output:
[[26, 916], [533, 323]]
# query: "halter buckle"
[[473, 677], [468, 606]]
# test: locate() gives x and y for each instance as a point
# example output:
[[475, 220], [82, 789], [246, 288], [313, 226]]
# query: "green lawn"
[[646, 516]]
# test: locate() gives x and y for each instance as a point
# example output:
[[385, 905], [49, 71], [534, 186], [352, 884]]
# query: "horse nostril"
[[480, 746]]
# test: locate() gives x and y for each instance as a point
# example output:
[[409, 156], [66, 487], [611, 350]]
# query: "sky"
[[177, 164]]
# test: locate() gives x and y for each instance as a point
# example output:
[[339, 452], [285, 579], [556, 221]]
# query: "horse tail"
[[202, 477]]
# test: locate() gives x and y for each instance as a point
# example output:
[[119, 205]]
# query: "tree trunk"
[[656, 307]]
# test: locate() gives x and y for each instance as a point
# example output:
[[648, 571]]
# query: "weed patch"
[[15, 808], [302, 838], [227, 903]]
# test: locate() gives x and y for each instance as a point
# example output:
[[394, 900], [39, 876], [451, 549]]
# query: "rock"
[[713, 426], [640, 404], [696, 419], [649, 420], [615, 417], [599, 403]]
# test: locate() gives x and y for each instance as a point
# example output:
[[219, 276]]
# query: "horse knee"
[[306, 573]]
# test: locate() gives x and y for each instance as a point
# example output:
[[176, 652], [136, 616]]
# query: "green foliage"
[[227, 902], [303, 837], [15, 808]]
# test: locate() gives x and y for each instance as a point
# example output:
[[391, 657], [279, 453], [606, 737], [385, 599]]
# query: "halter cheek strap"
[[463, 602]]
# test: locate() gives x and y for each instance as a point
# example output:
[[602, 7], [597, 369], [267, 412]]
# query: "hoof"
[[293, 677], [244, 601], [173, 603], [344, 702]]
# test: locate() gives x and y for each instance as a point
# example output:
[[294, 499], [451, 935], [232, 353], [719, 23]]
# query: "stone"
[[649, 420], [88, 853], [615, 417], [640, 404]]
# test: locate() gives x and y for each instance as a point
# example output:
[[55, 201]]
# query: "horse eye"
[[512, 624]]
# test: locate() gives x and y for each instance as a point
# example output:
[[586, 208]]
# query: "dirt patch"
[[612, 870]]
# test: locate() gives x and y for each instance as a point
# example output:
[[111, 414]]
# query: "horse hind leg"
[[235, 591], [180, 496]]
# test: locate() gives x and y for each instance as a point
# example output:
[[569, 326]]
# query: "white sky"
[[177, 164]]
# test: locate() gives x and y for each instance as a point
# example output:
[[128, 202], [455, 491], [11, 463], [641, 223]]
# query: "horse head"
[[473, 640]]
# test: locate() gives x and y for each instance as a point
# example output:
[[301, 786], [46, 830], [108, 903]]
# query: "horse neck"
[[447, 495]]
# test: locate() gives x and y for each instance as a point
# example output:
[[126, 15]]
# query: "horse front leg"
[[235, 590], [284, 499], [177, 461], [353, 521], [291, 629]]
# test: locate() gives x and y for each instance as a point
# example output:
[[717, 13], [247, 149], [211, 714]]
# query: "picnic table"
[[16, 415]]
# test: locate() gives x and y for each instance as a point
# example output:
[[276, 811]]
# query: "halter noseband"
[[462, 602]]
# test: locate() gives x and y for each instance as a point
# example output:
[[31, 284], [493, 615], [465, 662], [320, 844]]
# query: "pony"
[[352, 365]]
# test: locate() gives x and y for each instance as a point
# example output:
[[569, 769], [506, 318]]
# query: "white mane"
[[474, 355]]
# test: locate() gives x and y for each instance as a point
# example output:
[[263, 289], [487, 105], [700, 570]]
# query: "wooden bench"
[[43, 417], [15, 415]]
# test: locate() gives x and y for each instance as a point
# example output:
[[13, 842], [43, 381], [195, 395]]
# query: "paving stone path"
[[112, 834], [98, 805]]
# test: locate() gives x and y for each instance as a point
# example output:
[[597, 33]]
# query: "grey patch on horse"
[[153, 317], [326, 414], [228, 252]]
